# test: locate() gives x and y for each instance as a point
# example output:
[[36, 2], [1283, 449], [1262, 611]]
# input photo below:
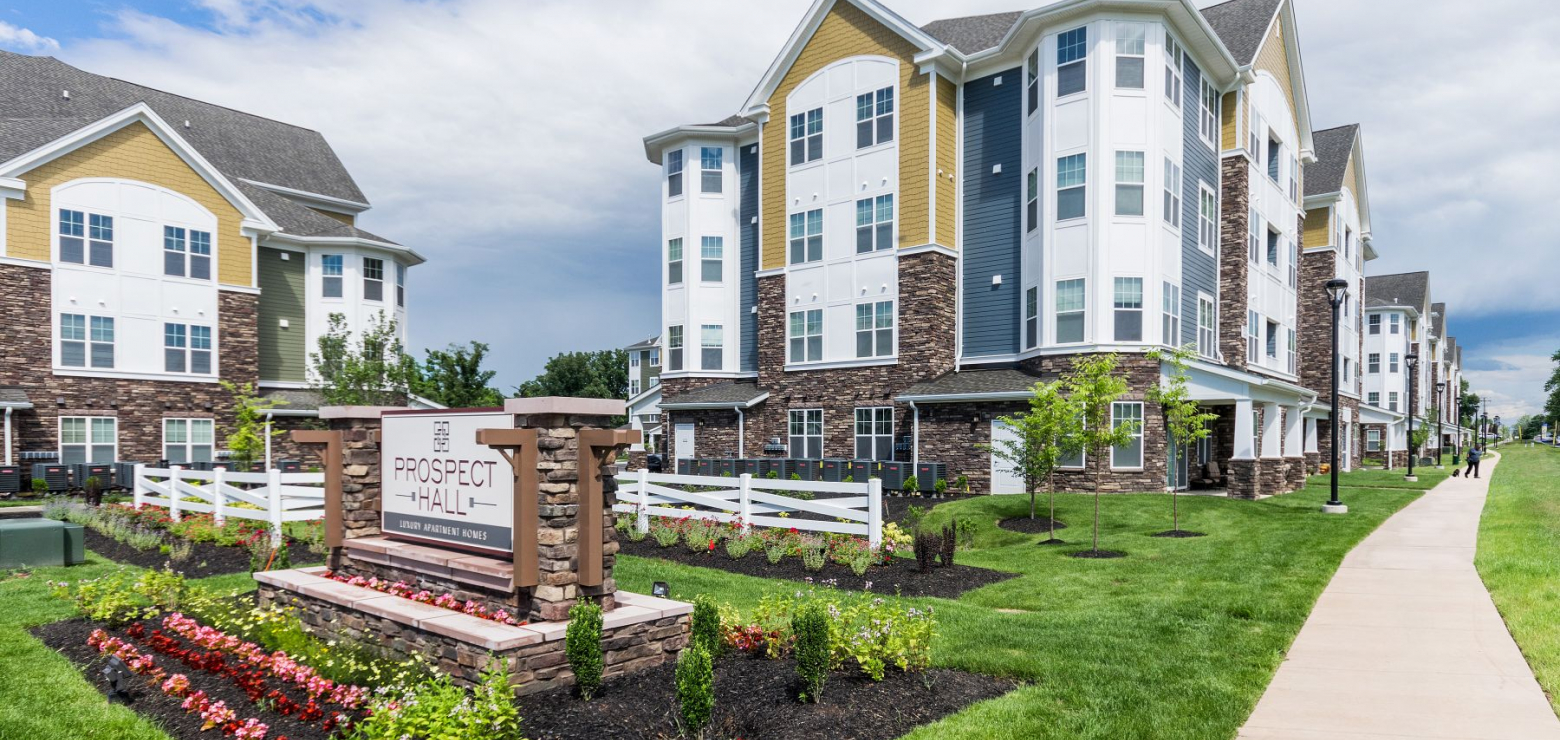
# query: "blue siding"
[[747, 215], [993, 131], [1199, 271]]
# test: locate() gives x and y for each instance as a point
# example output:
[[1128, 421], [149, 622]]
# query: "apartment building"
[[1400, 321], [644, 392], [904, 228], [152, 245]]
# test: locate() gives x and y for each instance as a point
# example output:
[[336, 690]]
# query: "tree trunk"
[[1050, 487], [1098, 463]]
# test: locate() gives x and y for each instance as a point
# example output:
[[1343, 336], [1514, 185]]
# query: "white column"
[[1272, 437], [1245, 431], [1311, 444], [273, 485], [1294, 432]]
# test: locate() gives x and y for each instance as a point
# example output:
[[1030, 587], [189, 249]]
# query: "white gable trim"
[[253, 218], [314, 200], [1302, 100]]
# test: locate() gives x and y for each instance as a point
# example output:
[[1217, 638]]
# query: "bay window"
[[1129, 183], [1071, 182], [373, 279], [674, 261], [711, 259], [1072, 52], [1171, 329], [711, 179], [674, 348], [1069, 311], [1129, 309], [712, 346], [1130, 46], [674, 173], [1172, 204]]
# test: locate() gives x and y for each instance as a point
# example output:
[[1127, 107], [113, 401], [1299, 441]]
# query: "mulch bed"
[[895, 507], [898, 577], [1037, 525], [1179, 534], [69, 638], [19, 514], [205, 559], [1097, 554], [756, 698]]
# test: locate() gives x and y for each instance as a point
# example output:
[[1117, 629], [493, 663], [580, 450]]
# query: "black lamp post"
[[1440, 423], [1457, 449], [1484, 423], [1496, 429], [1412, 361], [1337, 292]]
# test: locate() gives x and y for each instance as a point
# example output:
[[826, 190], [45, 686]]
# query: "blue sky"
[[503, 140]]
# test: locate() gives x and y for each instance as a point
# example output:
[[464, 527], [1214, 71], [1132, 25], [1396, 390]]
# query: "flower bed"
[[423, 596], [196, 545]]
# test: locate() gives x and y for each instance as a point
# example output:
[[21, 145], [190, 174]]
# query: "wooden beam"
[[527, 495], [335, 531], [592, 498]]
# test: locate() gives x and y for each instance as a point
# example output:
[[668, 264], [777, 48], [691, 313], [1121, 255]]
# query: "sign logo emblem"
[[441, 436]]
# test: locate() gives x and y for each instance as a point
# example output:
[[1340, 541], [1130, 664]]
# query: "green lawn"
[[1519, 555], [1428, 477], [1178, 640]]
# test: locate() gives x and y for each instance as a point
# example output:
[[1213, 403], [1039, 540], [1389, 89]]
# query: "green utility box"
[[39, 542]]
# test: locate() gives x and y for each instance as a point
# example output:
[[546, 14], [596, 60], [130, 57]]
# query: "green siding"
[[281, 298]]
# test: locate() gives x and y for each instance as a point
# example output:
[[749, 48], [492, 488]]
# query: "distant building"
[[644, 391]]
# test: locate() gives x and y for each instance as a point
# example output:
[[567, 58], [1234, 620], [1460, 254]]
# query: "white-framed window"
[[1072, 54], [1374, 323], [1172, 193], [712, 346], [86, 238], [1127, 414], [1130, 49], [655, 357], [1207, 218], [711, 177], [806, 136], [1392, 363], [1272, 340], [1071, 182], [874, 118], [807, 336], [1294, 179], [674, 261], [674, 173], [1293, 254], [186, 253], [86, 341], [1348, 243], [1253, 331], [1031, 318], [875, 433], [1273, 238], [1173, 73], [1275, 157], [1373, 363], [1208, 120], [633, 387], [633, 360], [1032, 201], [711, 261], [674, 348], [1207, 327], [1346, 366], [1032, 90], [875, 329], [807, 236], [1254, 236], [875, 223], [1373, 398], [1396, 322], [373, 279], [1372, 440], [89, 439], [1129, 183], [1070, 310], [1128, 306], [1294, 359], [1170, 330], [330, 271], [187, 349], [188, 440], [400, 285], [1254, 129], [806, 433], [1392, 401]]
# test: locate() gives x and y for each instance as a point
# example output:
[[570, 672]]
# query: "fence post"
[[273, 487], [875, 512], [217, 515], [745, 501], [138, 486], [642, 505], [173, 491]]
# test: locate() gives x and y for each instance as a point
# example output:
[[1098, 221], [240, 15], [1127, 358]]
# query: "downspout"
[[8, 411], [741, 442], [915, 436], [268, 415]]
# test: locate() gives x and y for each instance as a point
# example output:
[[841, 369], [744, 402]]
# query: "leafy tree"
[[1046, 433], [246, 438], [1470, 406], [599, 374], [454, 377], [1094, 387], [371, 370], [1186, 423], [1552, 387]]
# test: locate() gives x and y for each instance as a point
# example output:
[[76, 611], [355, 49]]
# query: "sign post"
[[331, 462], [592, 498], [518, 446]]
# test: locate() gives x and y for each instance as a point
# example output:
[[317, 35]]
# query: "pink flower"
[[177, 685]]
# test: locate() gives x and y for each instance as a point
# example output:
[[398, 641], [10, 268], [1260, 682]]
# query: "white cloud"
[[1510, 375], [24, 40]]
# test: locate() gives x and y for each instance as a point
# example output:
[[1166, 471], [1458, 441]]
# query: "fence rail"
[[754, 502], [281, 497]]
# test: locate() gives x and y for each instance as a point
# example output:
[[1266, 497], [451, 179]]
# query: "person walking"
[[1474, 455]]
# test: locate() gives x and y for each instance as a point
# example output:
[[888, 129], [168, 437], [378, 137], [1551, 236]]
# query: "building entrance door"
[[1004, 479]]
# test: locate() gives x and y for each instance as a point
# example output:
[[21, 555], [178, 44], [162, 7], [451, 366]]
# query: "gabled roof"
[[993, 385], [973, 33], [1437, 320], [15, 397], [649, 343], [300, 220], [34, 111], [1241, 25], [1334, 146], [732, 395], [1409, 289]]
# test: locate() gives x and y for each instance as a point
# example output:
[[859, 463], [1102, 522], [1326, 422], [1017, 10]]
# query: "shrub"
[[93, 486], [262, 556], [738, 546], [111, 599], [926, 546], [623, 523], [810, 626], [949, 544], [962, 483], [911, 485], [705, 630], [634, 535], [40, 486], [702, 535], [941, 486], [849, 479], [582, 645], [438, 708], [695, 688], [814, 554], [180, 551], [966, 529], [796, 476], [860, 558], [913, 516], [666, 533], [773, 475]]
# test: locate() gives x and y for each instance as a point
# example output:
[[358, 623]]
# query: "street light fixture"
[[1496, 430], [1413, 364], [1337, 292], [1440, 424]]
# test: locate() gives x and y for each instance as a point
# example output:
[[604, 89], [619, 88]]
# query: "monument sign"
[[440, 486]]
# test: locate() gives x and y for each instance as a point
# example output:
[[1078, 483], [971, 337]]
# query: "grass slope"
[[1519, 555]]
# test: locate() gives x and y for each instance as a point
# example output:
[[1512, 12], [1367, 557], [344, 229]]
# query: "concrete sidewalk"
[[1405, 641]]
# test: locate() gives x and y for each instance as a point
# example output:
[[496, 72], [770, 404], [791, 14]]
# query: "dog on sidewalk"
[[1456, 472]]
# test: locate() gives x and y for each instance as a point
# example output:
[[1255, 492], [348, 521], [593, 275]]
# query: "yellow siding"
[[1229, 114], [1318, 228], [1274, 59], [846, 32], [131, 153], [1351, 179], [947, 159], [342, 217]]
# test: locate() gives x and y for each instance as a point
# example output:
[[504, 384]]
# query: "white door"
[[683, 441], [1003, 478]]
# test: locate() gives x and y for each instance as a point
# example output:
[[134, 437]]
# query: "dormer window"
[[874, 118], [806, 137]]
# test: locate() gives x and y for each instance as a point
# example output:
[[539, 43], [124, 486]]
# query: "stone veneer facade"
[[1234, 217]]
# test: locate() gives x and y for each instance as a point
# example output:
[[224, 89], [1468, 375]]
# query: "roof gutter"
[[717, 405], [348, 241], [958, 397], [654, 143]]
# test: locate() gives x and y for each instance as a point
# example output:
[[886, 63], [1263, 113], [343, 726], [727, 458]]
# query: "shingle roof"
[[974, 382], [736, 393], [1241, 25], [1438, 321], [298, 219], [295, 399], [654, 341], [731, 121], [973, 33], [1333, 148], [1403, 289], [12, 395], [33, 112]]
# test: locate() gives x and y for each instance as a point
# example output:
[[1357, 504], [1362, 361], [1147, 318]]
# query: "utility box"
[[104, 472], [56, 476], [726, 466], [834, 471], [860, 471], [928, 473], [705, 466], [11, 480], [290, 466], [892, 473], [747, 466], [39, 542], [809, 469], [780, 466], [686, 466]]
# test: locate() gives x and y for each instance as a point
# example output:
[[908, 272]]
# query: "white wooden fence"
[[751, 501], [282, 497]]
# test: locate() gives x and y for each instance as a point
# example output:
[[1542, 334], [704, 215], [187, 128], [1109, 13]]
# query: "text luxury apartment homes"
[[903, 228], [150, 245]]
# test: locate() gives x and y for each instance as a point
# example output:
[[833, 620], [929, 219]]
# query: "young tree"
[[1094, 388], [246, 438], [1469, 412], [454, 377], [1552, 387], [1186, 423], [371, 370], [1045, 434]]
